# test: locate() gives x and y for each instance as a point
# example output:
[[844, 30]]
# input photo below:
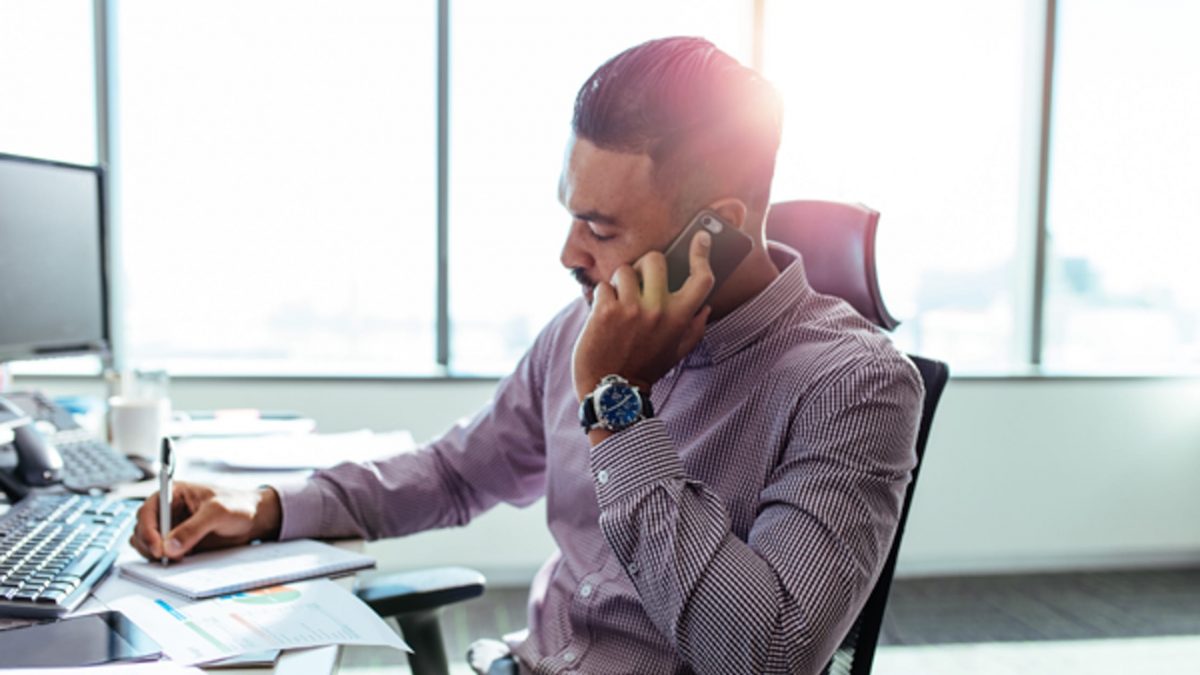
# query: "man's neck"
[[755, 273]]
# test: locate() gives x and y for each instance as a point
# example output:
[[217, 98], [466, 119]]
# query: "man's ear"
[[731, 210]]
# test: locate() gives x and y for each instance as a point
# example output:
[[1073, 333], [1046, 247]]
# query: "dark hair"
[[710, 124]]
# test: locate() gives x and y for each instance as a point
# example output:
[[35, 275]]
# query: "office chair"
[[837, 244]]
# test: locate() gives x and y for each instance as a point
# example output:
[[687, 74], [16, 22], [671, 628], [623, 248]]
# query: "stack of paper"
[[237, 422], [295, 451]]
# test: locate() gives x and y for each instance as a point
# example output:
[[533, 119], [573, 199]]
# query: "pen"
[[166, 472]]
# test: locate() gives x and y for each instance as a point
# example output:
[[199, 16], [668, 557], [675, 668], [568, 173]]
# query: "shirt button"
[[585, 590], [632, 567], [569, 657], [602, 476]]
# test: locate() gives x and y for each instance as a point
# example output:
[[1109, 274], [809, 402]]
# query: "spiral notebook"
[[205, 575]]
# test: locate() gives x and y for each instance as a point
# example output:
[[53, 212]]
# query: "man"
[[732, 512]]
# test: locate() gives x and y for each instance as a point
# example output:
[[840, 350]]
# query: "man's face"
[[617, 212]]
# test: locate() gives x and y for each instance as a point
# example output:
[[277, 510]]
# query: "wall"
[[1021, 474]]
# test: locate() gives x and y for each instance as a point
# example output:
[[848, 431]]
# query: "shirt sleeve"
[[498, 456], [779, 601]]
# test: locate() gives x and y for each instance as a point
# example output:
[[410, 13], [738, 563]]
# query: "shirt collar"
[[748, 321]]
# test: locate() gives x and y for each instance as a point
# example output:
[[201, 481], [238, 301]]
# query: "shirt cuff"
[[302, 505], [634, 459]]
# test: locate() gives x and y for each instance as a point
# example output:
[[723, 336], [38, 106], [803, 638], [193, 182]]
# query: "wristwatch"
[[614, 405]]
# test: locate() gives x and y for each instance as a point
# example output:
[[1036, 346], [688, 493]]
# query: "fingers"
[[652, 268], [188, 499], [603, 294], [145, 538], [625, 281], [700, 275]]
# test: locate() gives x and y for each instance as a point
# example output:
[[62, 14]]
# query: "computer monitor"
[[53, 278]]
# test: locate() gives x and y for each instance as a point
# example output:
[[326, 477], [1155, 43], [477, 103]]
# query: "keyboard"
[[55, 547]]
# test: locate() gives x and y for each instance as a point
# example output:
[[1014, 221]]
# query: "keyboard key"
[[84, 564], [51, 596]]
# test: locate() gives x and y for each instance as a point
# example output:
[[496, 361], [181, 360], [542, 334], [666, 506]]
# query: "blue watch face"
[[619, 405]]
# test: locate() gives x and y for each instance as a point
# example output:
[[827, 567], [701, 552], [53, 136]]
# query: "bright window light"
[[47, 91], [1122, 293], [915, 109], [276, 186]]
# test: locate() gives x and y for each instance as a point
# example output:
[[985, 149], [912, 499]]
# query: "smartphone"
[[729, 247]]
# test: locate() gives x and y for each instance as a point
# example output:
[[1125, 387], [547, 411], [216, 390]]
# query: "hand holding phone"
[[729, 247], [638, 329]]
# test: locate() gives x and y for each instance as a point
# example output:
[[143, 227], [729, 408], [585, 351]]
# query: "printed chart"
[[280, 617]]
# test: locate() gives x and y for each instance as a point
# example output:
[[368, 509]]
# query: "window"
[[1121, 286], [514, 73], [274, 169], [47, 91], [276, 186], [876, 111]]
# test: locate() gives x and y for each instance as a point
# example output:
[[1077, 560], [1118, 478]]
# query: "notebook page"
[[229, 570]]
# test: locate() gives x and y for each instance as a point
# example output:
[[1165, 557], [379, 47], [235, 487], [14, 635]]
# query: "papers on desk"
[[237, 569], [237, 422], [295, 451], [306, 614]]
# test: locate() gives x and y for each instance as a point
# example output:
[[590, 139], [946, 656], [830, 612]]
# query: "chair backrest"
[[837, 244]]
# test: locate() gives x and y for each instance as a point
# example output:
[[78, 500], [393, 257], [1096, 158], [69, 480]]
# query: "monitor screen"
[[52, 272]]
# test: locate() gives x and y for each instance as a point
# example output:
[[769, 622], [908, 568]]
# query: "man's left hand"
[[640, 331]]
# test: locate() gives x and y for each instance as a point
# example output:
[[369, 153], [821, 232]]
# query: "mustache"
[[581, 277]]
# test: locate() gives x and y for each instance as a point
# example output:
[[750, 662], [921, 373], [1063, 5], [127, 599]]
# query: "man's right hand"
[[206, 517]]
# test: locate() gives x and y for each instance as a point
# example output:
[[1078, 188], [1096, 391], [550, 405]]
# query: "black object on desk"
[[88, 640]]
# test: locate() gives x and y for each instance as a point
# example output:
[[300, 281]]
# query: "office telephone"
[[48, 447]]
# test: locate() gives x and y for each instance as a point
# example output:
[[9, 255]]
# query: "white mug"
[[137, 424]]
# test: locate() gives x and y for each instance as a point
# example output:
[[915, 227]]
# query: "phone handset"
[[38, 462]]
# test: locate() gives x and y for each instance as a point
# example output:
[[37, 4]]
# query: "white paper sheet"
[[308, 614], [296, 451]]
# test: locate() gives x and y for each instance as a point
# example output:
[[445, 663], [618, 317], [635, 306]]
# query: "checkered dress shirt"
[[739, 531]]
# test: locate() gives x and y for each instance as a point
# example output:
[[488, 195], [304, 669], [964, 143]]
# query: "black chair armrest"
[[415, 599], [420, 590]]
